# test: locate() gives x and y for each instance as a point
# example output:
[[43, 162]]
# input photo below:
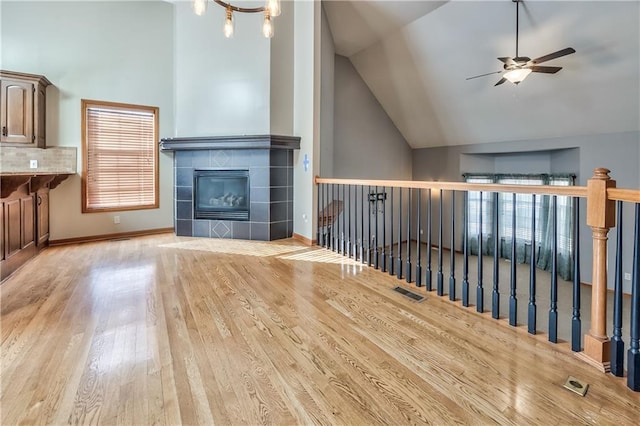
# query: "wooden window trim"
[[85, 104]]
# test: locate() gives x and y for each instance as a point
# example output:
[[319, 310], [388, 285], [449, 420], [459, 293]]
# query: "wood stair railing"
[[602, 199]]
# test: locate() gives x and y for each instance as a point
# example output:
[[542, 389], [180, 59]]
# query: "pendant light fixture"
[[271, 9]]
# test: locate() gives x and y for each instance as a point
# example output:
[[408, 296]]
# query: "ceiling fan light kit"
[[518, 68], [517, 75]]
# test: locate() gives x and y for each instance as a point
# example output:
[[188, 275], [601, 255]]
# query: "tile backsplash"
[[50, 160]]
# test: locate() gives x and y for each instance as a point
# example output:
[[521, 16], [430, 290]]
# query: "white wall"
[[327, 102], [306, 114], [222, 85], [366, 143], [282, 69], [112, 51]]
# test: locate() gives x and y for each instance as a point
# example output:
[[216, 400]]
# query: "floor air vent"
[[411, 295]]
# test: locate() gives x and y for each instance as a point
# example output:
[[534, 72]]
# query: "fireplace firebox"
[[221, 194]]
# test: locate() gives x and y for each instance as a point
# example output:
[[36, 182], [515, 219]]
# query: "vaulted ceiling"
[[415, 57]]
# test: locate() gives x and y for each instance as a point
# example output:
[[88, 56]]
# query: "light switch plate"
[[33, 164]]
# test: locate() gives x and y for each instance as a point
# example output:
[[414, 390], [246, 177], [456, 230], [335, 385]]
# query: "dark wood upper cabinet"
[[22, 109]]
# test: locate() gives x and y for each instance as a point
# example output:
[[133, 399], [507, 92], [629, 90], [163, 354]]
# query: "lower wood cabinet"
[[24, 223], [27, 207], [42, 216]]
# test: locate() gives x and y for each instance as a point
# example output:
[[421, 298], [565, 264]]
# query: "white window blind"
[[120, 169]]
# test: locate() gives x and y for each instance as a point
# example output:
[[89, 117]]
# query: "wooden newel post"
[[600, 217]]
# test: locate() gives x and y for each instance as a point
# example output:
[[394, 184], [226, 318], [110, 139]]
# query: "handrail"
[[619, 194], [571, 191]]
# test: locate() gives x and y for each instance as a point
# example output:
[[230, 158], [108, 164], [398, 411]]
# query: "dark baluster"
[[375, 250], [341, 221], [553, 310], [362, 225], [355, 225], [337, 217], [325, 218], [576, 322], [327, 229], [479, 288], [329, 216], [495, 304], [391, 259], [321, 217], [333, 212], [452, 260], [427, 277], [399, 266], [633, 360], [354, 240], [342, 234], [349, 221], [409, 208], [318, 210], [440, 276], [531, 321], [383, 258], [419, 243], [465, 250], [513, 301], [369, 242], [617, 344]]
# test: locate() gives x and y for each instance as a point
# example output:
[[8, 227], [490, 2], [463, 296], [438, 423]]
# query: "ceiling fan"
[[519, 67]]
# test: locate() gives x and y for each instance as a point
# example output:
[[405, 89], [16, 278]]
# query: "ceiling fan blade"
[[508, 61], [554, 55], [502, 80], [547, 70], [483, 75]]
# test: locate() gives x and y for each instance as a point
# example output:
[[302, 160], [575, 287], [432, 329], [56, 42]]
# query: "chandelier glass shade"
[[270, 10]]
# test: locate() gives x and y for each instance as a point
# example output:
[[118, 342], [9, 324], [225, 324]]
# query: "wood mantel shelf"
[[10, 182], [230, 142]]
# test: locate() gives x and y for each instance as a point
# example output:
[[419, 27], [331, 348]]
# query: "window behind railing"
[[482, 217]]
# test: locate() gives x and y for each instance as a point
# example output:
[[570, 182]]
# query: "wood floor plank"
[[170, 330]]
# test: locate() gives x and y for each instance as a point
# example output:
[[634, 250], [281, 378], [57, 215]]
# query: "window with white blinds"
[[120, 156]]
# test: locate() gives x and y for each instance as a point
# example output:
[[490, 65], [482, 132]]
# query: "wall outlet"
[[116, 219], [421, 231], [627, 276], [33, 164]]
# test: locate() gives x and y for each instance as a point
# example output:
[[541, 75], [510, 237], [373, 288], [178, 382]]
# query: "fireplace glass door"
[[221, 194]]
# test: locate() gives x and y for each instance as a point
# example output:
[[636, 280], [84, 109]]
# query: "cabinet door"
[[16, 118], [14, 229], [28, 221], [2, 231], [43, 216]]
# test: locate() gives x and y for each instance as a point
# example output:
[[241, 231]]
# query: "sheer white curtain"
[[479, 214], [525, 241]]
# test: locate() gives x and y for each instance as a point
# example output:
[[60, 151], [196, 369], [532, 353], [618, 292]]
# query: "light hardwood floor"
[[168, 330]]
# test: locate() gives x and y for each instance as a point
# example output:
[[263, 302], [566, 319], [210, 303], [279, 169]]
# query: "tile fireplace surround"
[[269, 160]]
